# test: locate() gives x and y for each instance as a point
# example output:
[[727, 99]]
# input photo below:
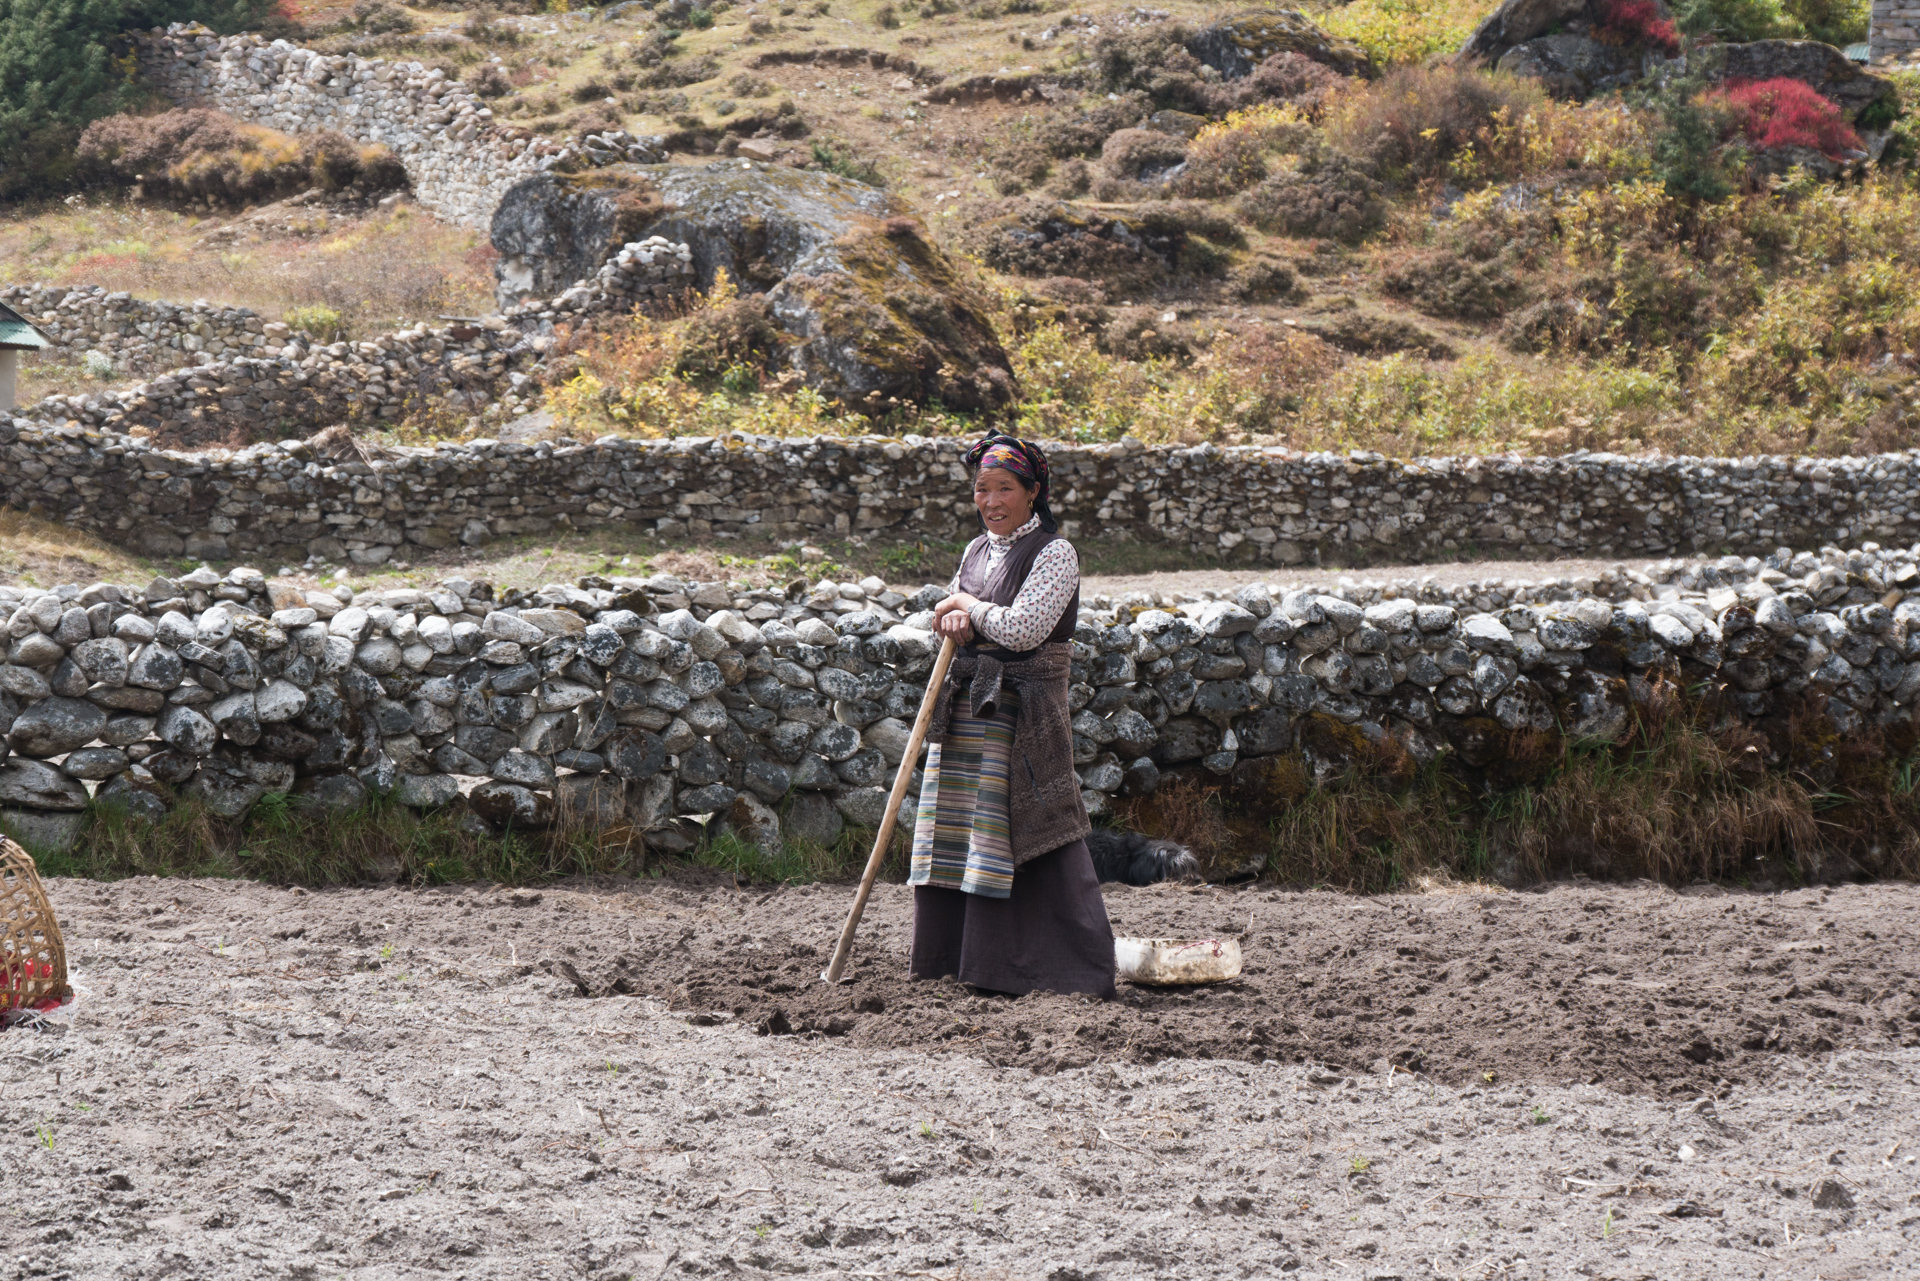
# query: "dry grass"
[[1688, 794], [40, 553], [284, 842], [379, 271]]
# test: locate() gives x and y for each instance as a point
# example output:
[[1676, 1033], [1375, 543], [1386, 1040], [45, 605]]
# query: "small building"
[[16, 336]]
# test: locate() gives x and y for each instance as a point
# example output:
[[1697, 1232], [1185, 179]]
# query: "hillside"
[[1355, 244]]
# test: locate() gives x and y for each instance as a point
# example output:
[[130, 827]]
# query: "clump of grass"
[[1686, 794], [318, 322], [799, 862], [285, 842]]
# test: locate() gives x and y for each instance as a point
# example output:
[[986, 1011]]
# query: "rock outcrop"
[[1563, 45], [1235, 46], [1820, 66], [877, 313], [1571, 67]]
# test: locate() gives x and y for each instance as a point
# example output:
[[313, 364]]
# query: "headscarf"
[[1026, 461]]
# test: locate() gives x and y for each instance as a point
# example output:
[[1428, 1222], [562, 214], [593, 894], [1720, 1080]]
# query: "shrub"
[[1142, 153], [381, 17], [1328, 195], [1835, 22], [1783, 112], [1233, 154], [197, 152], [1637, 24], [1447, 284], [1406, 31], [730, 336], [1282, 78], [1415, 120], [1736, 21], [58, 72], [1262, 280], [319, 322], [1686, 152], [1139, 333]]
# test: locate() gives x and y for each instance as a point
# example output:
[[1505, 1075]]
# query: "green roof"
[[16, 334]]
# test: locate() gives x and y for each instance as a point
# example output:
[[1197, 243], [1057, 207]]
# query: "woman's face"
[[1004, 503]]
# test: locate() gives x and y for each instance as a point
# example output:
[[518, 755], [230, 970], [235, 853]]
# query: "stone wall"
[[73, 461], [459, 160], [783, 713], [140, 337], [1893, 36], [265, 379]]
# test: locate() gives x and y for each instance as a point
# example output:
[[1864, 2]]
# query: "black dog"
[[1134, 859]]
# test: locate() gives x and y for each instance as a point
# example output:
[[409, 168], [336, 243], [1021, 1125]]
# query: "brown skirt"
[[1049, 935]]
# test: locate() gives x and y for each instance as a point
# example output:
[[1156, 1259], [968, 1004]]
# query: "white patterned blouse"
[[1050, 584]]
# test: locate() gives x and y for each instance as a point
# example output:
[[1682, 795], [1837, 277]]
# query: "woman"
[[1005, 895]]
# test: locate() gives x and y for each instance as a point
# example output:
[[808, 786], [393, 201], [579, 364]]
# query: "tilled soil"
[[1638, 989], [1593, 1080]]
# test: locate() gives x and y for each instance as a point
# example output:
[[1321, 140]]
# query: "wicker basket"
[[33, 959]]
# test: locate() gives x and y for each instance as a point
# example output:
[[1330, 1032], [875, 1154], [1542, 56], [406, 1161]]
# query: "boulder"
[[34, 785], [1237, 45], [876, 314], [1571, 67], [56, 726], [509, 805], [554, 229], [225, 790], [815, 819], [754, 822], [41, 832], [426, 791], [1514, 23], [1821, 66]]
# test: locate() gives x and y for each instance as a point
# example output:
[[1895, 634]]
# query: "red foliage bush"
[[1785, 113], [1638, 23]]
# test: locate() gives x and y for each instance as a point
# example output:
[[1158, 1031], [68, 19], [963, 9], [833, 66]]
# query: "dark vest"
[[1003, 583]]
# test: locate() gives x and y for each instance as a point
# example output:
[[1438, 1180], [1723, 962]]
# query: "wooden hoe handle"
[[884, 838]]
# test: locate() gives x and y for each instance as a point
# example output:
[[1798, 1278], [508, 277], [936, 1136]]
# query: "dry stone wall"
[[459, 160], [782, 713], [134, 336], [254, 378], [74, 462], [1894, 33]]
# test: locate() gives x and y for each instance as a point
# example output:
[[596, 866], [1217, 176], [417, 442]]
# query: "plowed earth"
[[1602, 1081]]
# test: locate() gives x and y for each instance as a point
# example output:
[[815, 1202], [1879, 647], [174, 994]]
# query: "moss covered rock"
[[878, 314], [1237, 45]]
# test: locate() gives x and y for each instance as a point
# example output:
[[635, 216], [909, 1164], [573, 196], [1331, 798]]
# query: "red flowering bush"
[[1785, 113], [1637, 23]]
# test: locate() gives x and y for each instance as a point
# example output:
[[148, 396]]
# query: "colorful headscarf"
[[1025, 461]]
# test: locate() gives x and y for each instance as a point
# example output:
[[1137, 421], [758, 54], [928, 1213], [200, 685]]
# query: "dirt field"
[[1587, 1081]]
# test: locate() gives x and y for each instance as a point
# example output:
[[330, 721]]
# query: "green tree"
[[59, 70], [1836, 22], [1735, 20], [1687, 152]]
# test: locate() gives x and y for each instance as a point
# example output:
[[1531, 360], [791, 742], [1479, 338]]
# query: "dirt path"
[[1446, 575], [383, 1083]]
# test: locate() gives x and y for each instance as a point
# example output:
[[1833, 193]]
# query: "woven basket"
[[33, 959]]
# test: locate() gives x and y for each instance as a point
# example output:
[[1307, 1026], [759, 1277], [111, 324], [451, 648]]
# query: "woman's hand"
[[950, 617]]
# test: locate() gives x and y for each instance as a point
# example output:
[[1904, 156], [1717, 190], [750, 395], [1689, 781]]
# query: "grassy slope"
[[1756, 324]]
